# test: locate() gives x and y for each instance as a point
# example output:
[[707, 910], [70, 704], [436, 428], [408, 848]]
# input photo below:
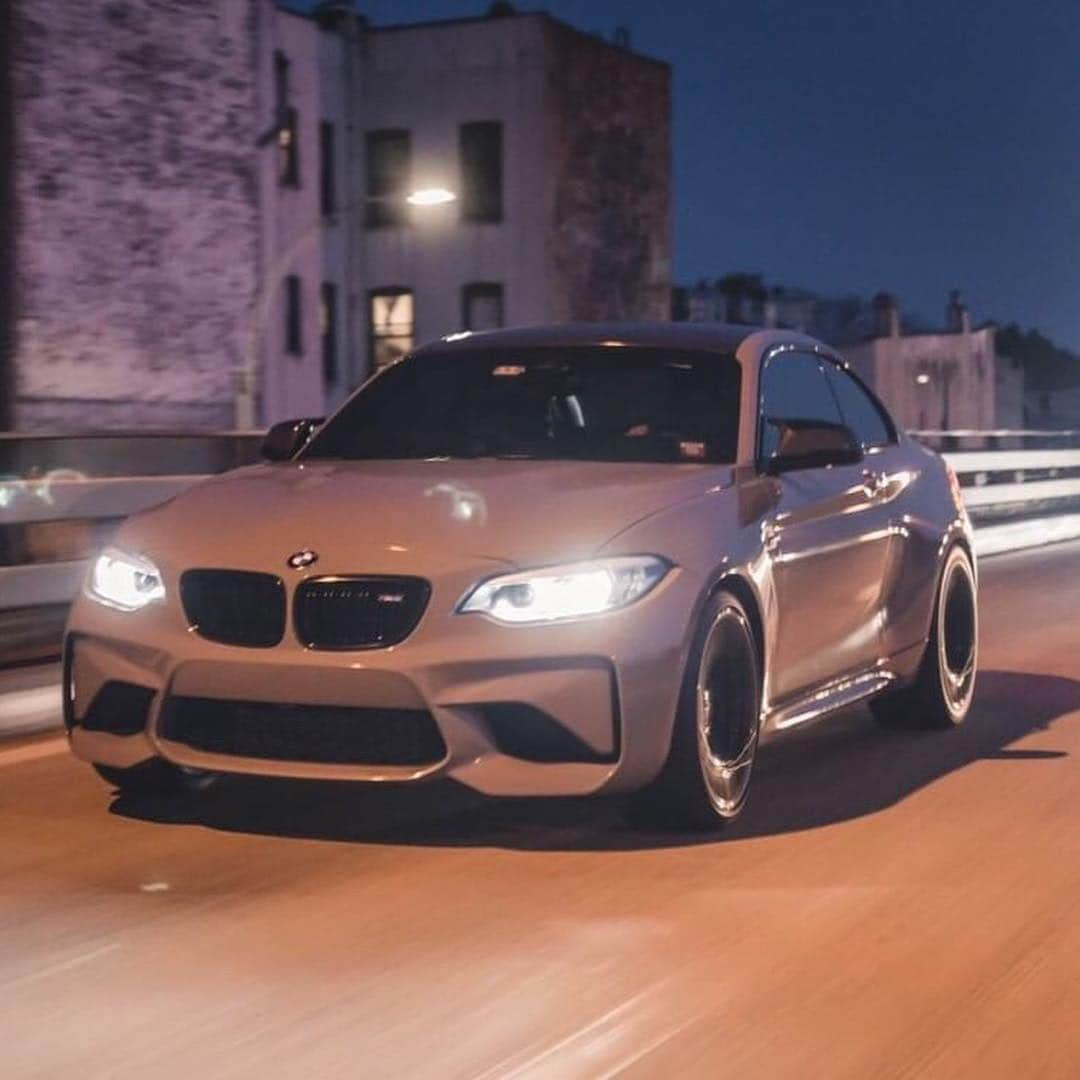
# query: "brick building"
[[137, 211], [212, 224]]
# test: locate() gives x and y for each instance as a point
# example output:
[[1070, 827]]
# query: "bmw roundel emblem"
[[299, 559]]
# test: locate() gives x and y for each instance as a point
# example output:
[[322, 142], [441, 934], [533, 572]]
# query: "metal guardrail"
[[1021, 487], [60, 498], [52, 517]]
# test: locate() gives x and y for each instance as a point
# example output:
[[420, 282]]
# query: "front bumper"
[[606, 686]]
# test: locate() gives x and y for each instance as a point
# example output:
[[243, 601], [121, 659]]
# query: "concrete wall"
[[1008, 393], [137, 210], [959, 370], [607, 172]]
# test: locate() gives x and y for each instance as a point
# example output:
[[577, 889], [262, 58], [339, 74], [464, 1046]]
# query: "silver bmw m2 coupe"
[[549, 561]]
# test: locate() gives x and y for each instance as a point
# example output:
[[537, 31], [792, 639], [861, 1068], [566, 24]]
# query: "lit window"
[[294, 326], [286, 121], [482, 306], [289, 149], [392, 325], [481, 171]]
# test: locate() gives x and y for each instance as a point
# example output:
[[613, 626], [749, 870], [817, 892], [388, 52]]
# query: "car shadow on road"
[[842, 769]]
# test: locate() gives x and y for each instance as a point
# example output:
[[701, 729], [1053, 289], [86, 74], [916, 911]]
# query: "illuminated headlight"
[[566, 592], [124, 581]]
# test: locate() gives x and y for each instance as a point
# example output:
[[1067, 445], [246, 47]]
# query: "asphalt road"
[[892, 905]]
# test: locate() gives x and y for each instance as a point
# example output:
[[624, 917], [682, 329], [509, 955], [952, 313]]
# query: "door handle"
[[873, 481], [770, 536]]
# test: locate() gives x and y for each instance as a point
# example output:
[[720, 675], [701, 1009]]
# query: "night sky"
[[850, 147]]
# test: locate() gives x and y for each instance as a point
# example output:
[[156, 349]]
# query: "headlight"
[[566, 592], [124, 581]]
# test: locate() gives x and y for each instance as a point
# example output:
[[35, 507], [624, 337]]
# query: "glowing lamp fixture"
[[922, 378], [433, 196], [124, 581]]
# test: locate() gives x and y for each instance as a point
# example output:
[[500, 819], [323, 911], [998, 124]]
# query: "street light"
[[434, 196]]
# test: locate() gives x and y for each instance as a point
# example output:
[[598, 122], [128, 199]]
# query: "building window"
[[294, 316], [286, 122], [328, 332], [482, 306], [327, 177], [281, 85], [481, 171], [289, 149], [391, 321], [387, 176]]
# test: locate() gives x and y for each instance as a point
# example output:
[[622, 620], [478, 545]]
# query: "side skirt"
[[829, 698]]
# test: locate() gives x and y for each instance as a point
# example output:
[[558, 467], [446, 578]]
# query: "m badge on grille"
[[299, 559]]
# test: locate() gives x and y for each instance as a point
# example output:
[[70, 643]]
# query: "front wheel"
[[706, 778], [940, 696]]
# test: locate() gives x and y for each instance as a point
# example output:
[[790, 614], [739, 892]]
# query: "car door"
[[889, 471], [827, 540]]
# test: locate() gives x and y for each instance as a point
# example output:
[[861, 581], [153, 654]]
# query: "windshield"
[[591, 403]]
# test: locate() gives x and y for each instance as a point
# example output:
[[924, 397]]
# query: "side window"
[[861, 413], [793, 387]]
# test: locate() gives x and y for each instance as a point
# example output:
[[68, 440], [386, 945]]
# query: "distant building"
[[930, 378], [938, 381], [1049, 378], [554, 144], [212, 225]]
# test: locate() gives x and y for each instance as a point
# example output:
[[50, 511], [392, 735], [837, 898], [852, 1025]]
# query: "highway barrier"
[[1021, 488], [62, 496]]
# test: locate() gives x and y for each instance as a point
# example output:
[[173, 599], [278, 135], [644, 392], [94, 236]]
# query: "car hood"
[[367, 516]]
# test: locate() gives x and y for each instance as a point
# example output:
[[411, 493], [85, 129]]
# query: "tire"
[[940, 696], [706, 779], [153, 777]]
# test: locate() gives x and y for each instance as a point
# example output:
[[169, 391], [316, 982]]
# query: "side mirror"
[[286, 439], [811, 444]]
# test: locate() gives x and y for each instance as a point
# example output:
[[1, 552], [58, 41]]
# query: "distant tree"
[[744, 296], [1046, 366], [742, 284]]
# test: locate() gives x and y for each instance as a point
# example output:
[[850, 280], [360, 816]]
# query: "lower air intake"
[[120, 708], [317, 734]]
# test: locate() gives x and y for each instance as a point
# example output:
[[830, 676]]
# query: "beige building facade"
[[930, 381], [485, 172]]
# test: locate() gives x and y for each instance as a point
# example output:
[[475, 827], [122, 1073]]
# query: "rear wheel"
[[153, 777], [706, 778], [940, 696]]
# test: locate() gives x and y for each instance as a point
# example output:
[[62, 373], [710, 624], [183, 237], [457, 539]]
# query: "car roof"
[[715, 337]]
